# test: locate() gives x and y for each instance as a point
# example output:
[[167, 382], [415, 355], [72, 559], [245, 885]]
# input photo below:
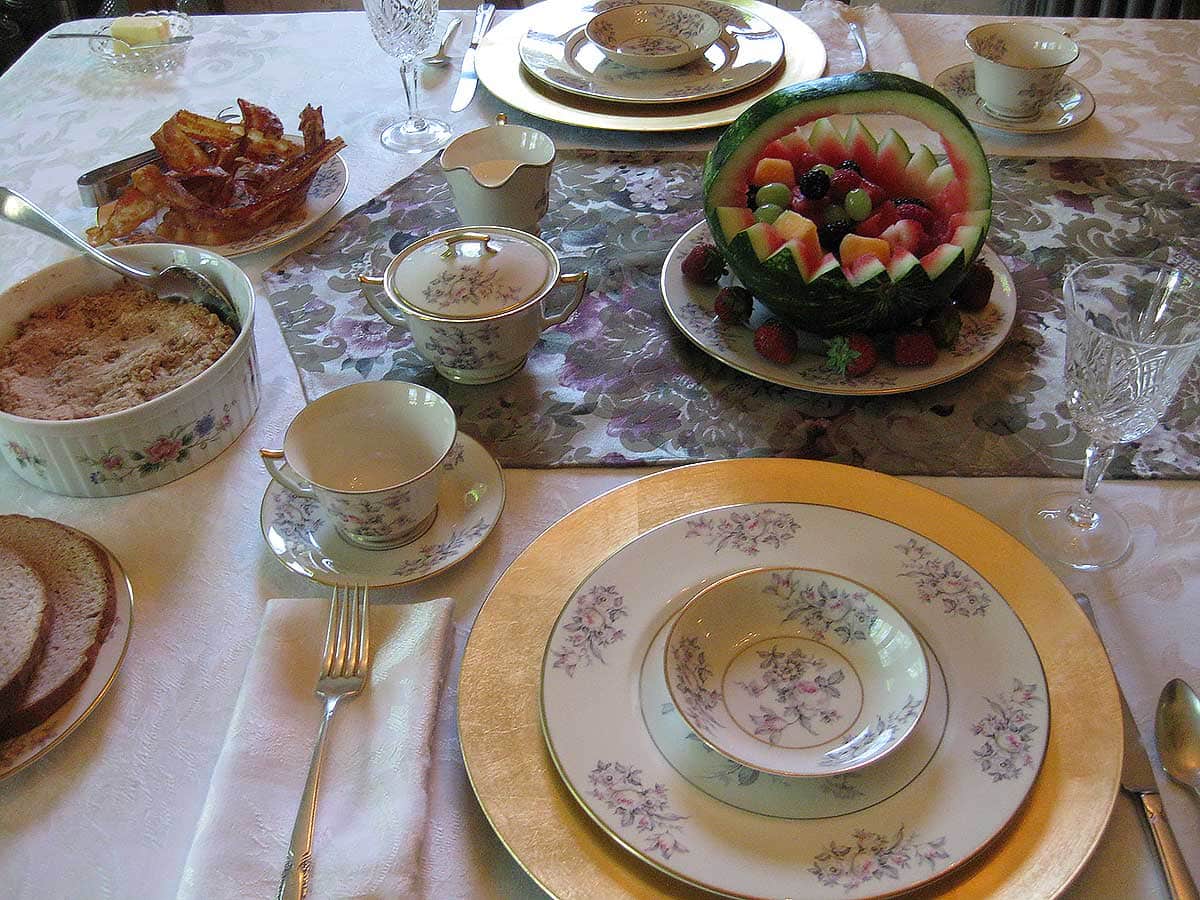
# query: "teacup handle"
[[285, 474], [580, 278], [384, 313]]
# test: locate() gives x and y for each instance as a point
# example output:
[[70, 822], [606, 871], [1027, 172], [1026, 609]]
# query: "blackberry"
[[830, 235], [814, 184], [851, 165], [752, 198], [915, 201]]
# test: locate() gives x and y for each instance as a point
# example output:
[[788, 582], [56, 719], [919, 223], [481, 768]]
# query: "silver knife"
[[1137, 778], [468, 80]]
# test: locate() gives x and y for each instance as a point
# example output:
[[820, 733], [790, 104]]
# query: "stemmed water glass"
[[403, 28], [1133, 329]]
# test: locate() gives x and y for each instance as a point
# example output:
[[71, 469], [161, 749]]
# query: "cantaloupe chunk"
[[855, 245], [771, 169]]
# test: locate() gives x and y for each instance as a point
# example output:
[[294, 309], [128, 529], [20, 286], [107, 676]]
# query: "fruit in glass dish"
[[821, 276]]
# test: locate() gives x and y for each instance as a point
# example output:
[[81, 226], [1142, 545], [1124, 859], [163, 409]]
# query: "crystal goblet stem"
[[403, 28]]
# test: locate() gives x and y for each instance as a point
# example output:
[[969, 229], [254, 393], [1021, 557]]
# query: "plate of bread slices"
[[66, 611]]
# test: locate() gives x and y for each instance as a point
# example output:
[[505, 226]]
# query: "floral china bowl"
[[154, 442], [805, 690], [145, 60], [653, 35]]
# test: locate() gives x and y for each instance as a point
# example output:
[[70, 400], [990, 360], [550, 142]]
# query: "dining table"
[[112, 811]]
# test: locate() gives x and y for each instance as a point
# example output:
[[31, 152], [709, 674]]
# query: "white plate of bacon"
[[234, 187]]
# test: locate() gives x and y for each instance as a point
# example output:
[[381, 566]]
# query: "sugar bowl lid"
[[473, 273]]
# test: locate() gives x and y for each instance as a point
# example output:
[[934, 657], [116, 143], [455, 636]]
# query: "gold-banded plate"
[[567, 854], [499, 66]]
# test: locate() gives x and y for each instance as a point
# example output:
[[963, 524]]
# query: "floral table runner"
[[619, 385]]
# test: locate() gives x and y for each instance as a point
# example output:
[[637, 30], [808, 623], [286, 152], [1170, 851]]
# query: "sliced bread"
[[83, 603], [24, 626]]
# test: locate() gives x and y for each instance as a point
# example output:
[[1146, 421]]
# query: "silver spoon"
[[171, 283], [178, 39], [856, 33], [440, 58], [1177, 731]]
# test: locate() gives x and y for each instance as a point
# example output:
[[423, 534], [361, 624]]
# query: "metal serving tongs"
[[171, 283]]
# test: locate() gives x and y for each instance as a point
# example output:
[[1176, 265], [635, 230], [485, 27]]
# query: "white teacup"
[[371, 456], [1019, 66], [474, 299], [500, 175]]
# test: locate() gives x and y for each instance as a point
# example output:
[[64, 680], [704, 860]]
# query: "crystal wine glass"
[[403, 28], [1133, 329]]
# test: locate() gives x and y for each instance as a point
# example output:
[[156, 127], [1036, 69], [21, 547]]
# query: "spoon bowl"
[[1177, 732], [441, 57], [170, 283]]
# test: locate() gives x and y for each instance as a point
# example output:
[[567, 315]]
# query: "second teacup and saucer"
[[1071, 105], [327, 516]]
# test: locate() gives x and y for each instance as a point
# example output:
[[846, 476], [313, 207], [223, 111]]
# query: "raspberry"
[[924, 216], [777, 342], [883, 218], [814, 184], [914, 348], [852, 355], [703, 265], [878, 197], [809, 208], [842, 181], [734, 305], [804, 162], [975, 291]]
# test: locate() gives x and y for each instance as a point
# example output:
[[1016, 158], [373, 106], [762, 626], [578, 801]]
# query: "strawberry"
[[922, 214], [945, 326], [733, 305], [804, 162], [806, 207], [842, 181], [876, 193], [882, 219], [777, 342], [703, 265], [914, 348], [975, 291], [852, 355]]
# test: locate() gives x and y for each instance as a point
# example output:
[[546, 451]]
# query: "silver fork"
[[343, 673]]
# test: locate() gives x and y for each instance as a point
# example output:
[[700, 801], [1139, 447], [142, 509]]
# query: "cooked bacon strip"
[[259, 118], [312, 126], [302, 169], [210, 131], [177, 149], [122, 216], [154, 183], [264, 148]]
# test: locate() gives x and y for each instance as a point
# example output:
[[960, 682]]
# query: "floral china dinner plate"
[[747, 51], [972, 787], [1072, 105], [19, 752], [324, 193], [690, 307], [470, 501]]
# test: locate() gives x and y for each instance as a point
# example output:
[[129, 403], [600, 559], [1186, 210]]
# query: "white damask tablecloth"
[[111, 813]]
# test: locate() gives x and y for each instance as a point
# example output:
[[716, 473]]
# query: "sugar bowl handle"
[[376, 304], [579, 278]]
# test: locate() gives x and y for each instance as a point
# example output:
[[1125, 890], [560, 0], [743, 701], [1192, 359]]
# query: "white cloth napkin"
[[373, 800], [887, 49]]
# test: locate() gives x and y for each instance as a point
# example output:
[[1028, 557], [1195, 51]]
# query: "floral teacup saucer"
[[1071, 105], [770, 685], [470, 500]]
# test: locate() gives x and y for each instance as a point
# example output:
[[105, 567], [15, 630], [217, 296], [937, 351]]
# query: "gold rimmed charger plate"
[[498, 64], [569, 856]]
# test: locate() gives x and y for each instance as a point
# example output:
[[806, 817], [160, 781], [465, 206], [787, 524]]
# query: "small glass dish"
[[149, 60], [653, 36]]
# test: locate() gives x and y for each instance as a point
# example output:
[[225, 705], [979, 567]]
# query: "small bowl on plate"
[[796, 672], [653, 36], [148, 60]]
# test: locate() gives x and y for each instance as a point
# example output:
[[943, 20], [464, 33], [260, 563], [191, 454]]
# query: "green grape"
[[827, 169], [858, 204], [768, 212], [835, 214], [776, 194]]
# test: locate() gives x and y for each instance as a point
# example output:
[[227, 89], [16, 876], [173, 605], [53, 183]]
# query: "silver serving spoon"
[[1177, 732], [172, 283], [178, 39], [440, 58]]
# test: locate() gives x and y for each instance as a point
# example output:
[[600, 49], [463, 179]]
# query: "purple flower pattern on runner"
[[692, 672], [590, 628], [796, 680], [822, 607], [1008, 731], [870, 856], [943, 579], [646, 809], [745, 532]]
